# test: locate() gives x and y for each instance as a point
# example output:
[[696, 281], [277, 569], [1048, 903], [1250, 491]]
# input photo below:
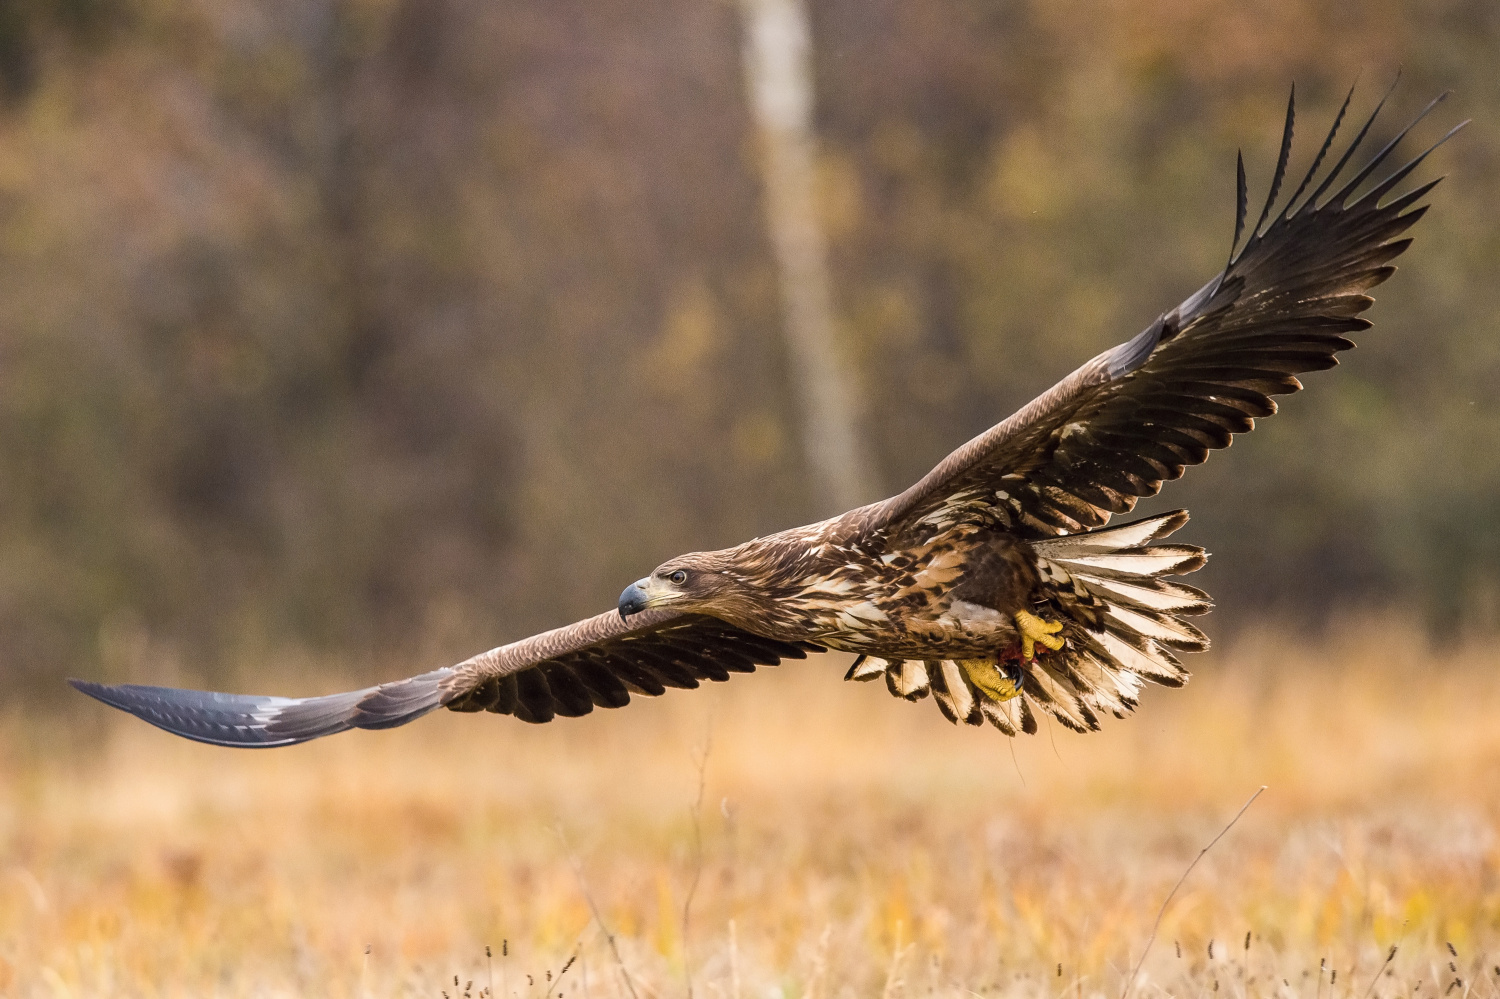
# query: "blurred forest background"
[[410, 326]]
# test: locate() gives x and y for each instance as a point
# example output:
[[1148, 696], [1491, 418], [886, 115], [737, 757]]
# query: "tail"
[[261, 721], [1122, 622]]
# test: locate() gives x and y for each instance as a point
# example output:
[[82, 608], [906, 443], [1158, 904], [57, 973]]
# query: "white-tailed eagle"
[[993, 583]]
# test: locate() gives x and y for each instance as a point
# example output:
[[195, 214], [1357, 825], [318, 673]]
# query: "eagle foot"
[[1000, 681], [1036, 631]]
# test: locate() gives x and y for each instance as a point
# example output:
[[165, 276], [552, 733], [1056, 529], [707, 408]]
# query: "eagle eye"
[[679, 577]]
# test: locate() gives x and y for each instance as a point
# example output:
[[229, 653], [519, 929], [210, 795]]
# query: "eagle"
[[995, 583]]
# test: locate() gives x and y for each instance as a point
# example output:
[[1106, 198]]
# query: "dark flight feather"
[[1241, 201], [1312, 201], [1291, 203], [1385, 151], [1281, 161]]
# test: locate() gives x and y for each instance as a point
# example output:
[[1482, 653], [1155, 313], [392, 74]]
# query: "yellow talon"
[[1034, 630], [990, 677]]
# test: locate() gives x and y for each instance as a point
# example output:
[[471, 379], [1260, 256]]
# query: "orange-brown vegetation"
[[851, 845]]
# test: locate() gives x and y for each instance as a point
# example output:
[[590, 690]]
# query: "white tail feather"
[[1159, 596], [1060, 700], [1147, 662], [1146, 562], [1131, 535], [1168, 630], [1108, 687]]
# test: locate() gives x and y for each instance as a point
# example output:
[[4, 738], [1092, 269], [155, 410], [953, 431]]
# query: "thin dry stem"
[[1150, 940], [588, 897], [687, 904]]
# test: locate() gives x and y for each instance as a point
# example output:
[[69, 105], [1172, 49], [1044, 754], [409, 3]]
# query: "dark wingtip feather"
[[1344, 159], [1281, 161], [1385, 151], [1241, 207], [1381, 189], [1312, 171], [1241, 200]]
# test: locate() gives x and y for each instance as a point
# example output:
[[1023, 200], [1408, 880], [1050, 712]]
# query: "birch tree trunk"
[[779, 75]]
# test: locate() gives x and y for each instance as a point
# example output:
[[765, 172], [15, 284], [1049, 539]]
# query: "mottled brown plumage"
[[993, 584]]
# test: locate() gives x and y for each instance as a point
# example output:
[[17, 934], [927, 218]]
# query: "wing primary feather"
[[1241, 203], [1281, 161], [1322, 152], [1385, 151], [1384, 186], [1344, 159], [1406, 200]]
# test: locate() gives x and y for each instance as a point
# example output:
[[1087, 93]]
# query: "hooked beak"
[[634, 599]]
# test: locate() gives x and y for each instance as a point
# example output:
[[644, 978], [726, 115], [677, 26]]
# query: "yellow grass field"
[[847, 844]]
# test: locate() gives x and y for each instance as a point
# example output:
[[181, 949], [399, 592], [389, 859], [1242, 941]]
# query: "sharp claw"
[[993, 678], [1036, 631]]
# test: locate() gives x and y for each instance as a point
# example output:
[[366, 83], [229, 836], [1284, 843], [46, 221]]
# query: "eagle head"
[[700, 581]]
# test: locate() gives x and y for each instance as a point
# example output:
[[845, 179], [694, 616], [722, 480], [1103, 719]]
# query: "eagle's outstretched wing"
[[568, 671], [1137, 415]]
